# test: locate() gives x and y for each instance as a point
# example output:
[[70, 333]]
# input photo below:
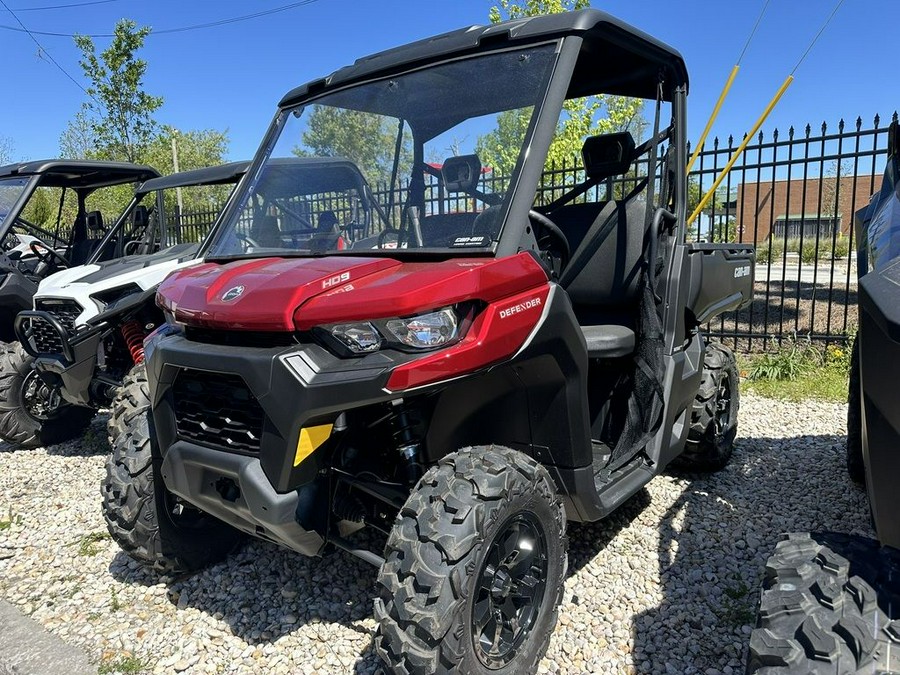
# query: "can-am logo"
[[335, 280], [232, 293]]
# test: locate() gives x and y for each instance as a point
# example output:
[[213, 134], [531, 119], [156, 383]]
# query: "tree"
[[78, 140], [119, 111], [6, 150], [197, 148], [40, 210], [581, 117], [717, 222], [367, 139]]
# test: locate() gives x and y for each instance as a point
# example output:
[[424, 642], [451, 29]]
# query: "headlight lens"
[[426, 330], [359, 338]]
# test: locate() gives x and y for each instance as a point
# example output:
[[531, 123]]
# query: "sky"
[[231, 77]]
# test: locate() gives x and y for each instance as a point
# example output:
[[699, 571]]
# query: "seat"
[[265, 232], [608, 341], [94, 220], [603, 277], [328, 223], [80, 249]]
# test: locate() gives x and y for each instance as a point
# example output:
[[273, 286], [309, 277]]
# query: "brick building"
[[763, 208]]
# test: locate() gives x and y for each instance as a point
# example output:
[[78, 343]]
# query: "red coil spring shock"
[[134, 334]]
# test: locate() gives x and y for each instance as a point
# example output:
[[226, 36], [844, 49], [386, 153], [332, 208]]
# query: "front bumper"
[[295, 387], [73, 367], [234, 489], [257, 484]]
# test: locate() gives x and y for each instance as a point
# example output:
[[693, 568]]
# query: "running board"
[[615, 488]]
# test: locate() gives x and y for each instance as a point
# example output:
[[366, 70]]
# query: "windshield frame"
[[21, 202], [536, 140]]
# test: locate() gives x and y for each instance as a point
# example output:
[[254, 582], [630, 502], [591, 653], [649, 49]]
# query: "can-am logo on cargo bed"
[[740, 272], [335, 280], [232, 293]]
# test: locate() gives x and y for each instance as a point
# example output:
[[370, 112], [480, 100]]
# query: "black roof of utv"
[[210, 175], [80, 174], [616, 58]]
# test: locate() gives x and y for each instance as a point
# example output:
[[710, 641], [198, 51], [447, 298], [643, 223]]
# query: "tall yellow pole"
[[741, 148], [712, 118]]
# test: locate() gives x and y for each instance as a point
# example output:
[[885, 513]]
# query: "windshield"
[[10, 191], [395, 163], [189, 212]]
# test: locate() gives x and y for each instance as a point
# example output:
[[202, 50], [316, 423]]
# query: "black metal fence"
[[794, 195]]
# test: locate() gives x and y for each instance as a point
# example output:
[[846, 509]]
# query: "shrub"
[[763, 254], [787, 363]]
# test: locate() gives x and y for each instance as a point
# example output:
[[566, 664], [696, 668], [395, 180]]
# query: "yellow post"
[[740, 150], [712, 118]]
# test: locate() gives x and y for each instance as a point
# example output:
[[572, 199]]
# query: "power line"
[[818, 35], [753, 32], [180, 29], [73, 4], [236, 19], [43, 51]]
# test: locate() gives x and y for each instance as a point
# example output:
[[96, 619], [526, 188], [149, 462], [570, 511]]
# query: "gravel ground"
[[667, 584]]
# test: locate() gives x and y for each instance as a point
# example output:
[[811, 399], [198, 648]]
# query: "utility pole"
[[175, 166]]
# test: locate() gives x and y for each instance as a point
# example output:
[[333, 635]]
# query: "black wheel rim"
[[40, 401], [723, 407], [509, 591]]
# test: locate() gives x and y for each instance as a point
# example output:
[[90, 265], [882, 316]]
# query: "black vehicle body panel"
[[714, 268], [16, 292], [878, 228]]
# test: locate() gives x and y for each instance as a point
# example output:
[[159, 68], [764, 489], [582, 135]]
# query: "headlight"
[[359, 338], [426, 330]]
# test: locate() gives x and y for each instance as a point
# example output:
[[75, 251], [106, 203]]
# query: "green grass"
[[827, 384], [87, 545], [10, 520], [114, 604], [130, 665], [737, 606], [798, 371]]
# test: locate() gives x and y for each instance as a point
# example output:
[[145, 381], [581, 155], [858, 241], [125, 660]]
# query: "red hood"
[[286, 294]]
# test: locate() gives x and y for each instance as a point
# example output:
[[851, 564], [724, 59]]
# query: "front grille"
[[217, 409], [240, 338], [46, 339]]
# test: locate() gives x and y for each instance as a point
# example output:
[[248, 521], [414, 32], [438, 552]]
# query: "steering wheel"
[[47, 255], [550, 238]]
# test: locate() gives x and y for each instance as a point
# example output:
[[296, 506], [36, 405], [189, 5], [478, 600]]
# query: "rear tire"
[[481, 536], [856, 466], [138, 508], [821, 608], [714, 417], [23, 420]]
